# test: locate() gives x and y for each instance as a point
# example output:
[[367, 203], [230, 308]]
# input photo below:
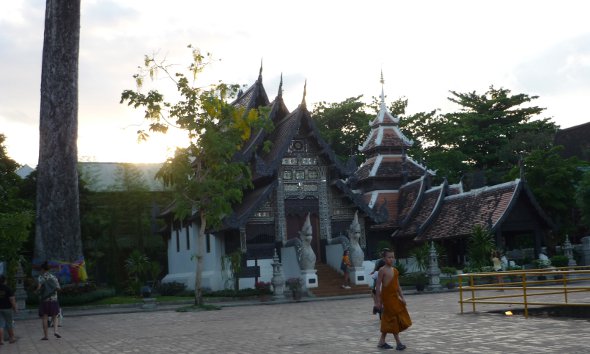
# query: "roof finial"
[[260, 72], [304, 93], [382, 90], [280, 94]]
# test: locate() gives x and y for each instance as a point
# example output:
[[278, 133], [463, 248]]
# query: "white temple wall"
[[182, 260]]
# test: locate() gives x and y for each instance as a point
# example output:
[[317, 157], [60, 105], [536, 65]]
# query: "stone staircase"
[[330, 282]]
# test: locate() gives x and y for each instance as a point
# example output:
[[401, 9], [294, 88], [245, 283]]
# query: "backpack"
[[49, 288]]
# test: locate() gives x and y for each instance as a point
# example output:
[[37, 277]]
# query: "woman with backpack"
[[48, 305]]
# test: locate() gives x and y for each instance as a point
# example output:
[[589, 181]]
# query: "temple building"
[[300, 184]]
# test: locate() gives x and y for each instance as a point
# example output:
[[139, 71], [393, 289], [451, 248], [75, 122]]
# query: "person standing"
[[345, 267], [7, 307], [48, 306], [394, 315]]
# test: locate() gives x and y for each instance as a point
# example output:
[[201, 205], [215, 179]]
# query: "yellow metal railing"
[[566, 286]]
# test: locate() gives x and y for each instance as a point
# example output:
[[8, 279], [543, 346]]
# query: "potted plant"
[[419, 279], [450, 271], [263, 290], [295, 285]]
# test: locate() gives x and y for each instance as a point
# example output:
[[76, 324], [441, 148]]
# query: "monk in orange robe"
[[394, 316]]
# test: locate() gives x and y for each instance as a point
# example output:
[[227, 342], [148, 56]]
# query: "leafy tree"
[[553, 181], [485, 137], [344, 125], [583, 198], [57, 235], [205, 176], [16, 214], [117, 221]]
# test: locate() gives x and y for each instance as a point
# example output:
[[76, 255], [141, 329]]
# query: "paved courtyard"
[[327, 326]]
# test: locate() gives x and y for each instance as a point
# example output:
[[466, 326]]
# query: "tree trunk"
[[57, 233], [199, 269]]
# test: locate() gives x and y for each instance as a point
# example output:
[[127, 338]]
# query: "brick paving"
[[343, 325]]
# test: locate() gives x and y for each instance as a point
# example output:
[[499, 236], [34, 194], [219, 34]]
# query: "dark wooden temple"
[[392, 193]]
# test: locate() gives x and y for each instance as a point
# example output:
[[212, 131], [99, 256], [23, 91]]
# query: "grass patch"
[[194, 308]]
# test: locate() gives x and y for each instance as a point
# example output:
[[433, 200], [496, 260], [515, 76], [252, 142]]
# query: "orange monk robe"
[[395, 317]]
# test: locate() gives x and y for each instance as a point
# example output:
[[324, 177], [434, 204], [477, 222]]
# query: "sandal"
[[400, 347], [44, 338], [57, 335], [384, 346]]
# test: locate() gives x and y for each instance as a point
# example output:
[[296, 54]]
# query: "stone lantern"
[[433, 270], [278, 281], [568, 251]]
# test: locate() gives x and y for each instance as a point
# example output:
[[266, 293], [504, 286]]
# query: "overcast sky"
[[425, 49]]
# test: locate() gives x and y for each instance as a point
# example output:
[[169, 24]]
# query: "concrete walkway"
[[342, 325]]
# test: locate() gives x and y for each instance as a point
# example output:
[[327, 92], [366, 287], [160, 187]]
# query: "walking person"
[[394, 315], [48, 305], [345, 267], [7, 308]]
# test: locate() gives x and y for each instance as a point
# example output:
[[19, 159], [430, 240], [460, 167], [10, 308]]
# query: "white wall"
[[182, 263]]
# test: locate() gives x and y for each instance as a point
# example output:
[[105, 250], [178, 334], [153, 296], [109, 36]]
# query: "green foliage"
[[171, 288], [204, 175], [417, 278], [421, 254], [381, 245], [401, 268], [486, 136], [480, 247], [559, 260], [234, 261], [344, 125], [553, 181], [583, 198], [16, 213], [76, 296], [137, 266], [449, 271]]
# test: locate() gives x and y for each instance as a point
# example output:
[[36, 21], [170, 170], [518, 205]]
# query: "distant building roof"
[[105, 176], [24, 171]]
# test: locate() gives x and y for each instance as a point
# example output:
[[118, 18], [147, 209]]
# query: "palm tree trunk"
[[57, 233]]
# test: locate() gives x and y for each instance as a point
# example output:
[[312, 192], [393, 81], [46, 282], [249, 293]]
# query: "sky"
[[424, 49]]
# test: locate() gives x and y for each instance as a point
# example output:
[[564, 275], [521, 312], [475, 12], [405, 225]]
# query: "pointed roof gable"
[[254, 97]]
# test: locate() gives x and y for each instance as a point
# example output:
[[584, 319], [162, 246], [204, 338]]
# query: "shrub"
[[75, 297], [559, 260], [401, 268], [449, 271], [171, 288]]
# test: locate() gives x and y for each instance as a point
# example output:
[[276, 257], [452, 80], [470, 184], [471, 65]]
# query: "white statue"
[[504, 261], [354, 234], [307, 256]]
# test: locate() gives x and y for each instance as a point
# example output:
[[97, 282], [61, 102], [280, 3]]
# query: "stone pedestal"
[[358, 276], [310, 278], [20, 294]]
